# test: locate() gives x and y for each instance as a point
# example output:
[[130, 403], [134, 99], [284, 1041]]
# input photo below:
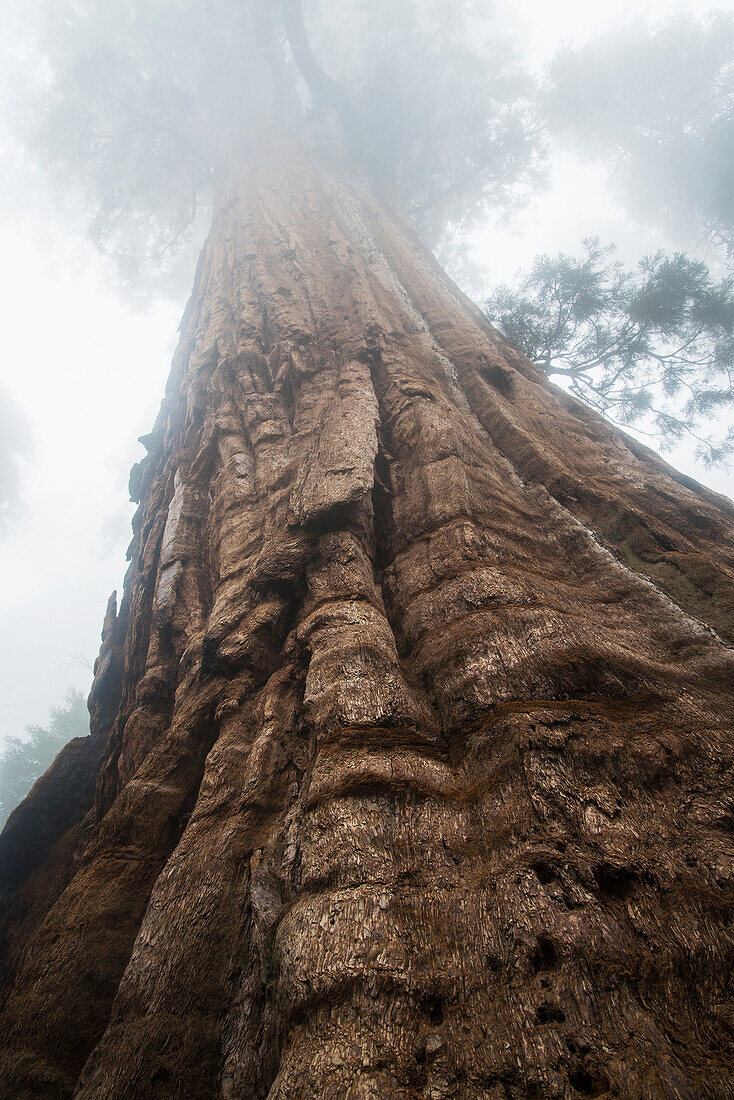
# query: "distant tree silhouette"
[[23, 761]]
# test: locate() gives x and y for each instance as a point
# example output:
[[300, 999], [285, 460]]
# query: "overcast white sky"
[[89, 371]]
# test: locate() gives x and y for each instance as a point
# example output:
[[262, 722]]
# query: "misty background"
[[85, 364]]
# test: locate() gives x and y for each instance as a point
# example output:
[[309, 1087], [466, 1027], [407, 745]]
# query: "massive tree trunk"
[[417, 711]]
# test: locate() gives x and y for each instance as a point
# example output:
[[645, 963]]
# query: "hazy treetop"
[[659, 108], [139, 106], [22, 761]]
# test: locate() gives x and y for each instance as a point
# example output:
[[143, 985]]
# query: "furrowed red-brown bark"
[[419, 772]]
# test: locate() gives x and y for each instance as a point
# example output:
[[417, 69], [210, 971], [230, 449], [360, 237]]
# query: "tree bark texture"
[[417, 713]]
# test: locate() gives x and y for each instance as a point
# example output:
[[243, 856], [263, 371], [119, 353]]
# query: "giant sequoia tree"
[[410, 764]]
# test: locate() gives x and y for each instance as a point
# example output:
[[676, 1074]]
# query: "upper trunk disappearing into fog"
[[417, 716]]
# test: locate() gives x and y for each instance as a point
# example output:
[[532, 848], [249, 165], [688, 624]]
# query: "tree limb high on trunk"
[[326, 91]]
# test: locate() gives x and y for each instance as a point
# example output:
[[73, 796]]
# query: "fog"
[[15, 447], [93, 284]]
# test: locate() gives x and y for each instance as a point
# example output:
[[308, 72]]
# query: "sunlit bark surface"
[[417, 713]]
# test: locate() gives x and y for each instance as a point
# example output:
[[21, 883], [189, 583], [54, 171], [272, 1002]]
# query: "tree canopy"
[[22, 761], [658, 108], [651, 347], [141, 111], [141, 108]]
